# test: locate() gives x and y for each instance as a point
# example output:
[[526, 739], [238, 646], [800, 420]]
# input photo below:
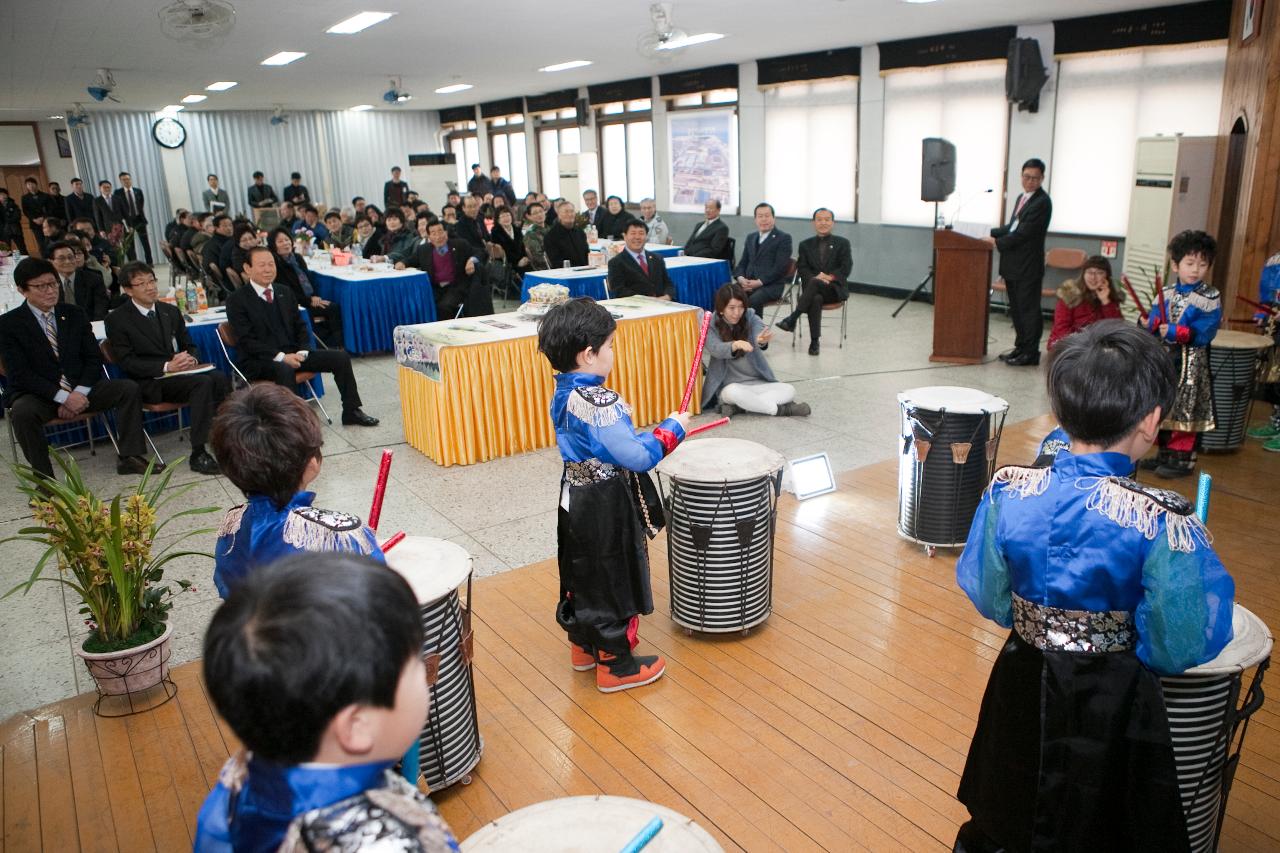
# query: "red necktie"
[[267, 295], [644, 265], [1022, 201]]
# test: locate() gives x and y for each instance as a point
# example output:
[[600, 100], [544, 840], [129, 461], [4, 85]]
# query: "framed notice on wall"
[[703, 146], [1251, 23], [64, 144]]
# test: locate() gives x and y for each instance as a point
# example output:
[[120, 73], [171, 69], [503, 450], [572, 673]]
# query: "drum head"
[[433, 567], [721, 460], [1231, 339], [962, 401], [1250, 644], [589, 825]]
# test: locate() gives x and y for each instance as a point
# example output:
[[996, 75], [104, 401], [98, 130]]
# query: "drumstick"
[[644, 836], [1142, 309], [691, 433], [380, 489], [392, 542], [697, 363], [1164, 316], [1202, 497], [1257, 305]]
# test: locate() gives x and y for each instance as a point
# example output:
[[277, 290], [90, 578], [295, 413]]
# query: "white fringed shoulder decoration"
[[1021, 481], [313, 529], [231, 524], [1130, 504], [597, 405], [1208, 302]]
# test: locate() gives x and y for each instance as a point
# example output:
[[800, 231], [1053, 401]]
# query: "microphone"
[[956, 215]]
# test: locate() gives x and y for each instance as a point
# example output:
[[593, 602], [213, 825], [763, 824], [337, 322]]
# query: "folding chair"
[[108, 357], [227, 339], [788, 296], [86, 419]]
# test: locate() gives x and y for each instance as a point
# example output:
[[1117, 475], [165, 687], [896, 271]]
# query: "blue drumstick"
[[1202, 497], [644, 836]]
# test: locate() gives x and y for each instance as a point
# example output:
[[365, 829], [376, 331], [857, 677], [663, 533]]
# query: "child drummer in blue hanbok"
[[1107, 584], [268, 444], [1192, 312], [607, 502]]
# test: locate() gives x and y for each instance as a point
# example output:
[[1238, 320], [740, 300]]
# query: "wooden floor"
[[840, 724]]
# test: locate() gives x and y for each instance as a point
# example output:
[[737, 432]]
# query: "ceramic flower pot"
[[130, 670]]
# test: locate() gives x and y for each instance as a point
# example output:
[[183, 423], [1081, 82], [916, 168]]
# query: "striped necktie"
[[51, 332]]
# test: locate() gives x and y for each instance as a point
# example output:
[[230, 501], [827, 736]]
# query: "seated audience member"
[[349, 214], [274, 341], [825, 261], [455, 199], [244, 238], [367, 238], [374, 214], [205, 231], [454, 274], [53, 369], [339, 232], [291, 271], [471, 227], [211, 253], [766, 256], [565, 241], [397, 241], [635, 272], [509, 240], [710, 238], [173, 228], [268, 443], [188, 232], [311, 222], [100, 249], [615, 220], [53, 229], [534, 235], [659, 233], [405, 252], [296, 192], [449, 216], [1086, 300], [316, 665], [86, 261], [78, 286], [357, 205], [738, 375], [149, 343], [288, 215]]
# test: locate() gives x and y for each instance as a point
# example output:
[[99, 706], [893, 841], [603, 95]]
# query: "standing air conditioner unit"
[[433, 177], [1170, 193]]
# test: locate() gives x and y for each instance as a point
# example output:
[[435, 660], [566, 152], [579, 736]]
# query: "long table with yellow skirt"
[[477, 388]]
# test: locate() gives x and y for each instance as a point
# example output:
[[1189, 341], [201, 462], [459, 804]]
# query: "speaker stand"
[[925, 281]]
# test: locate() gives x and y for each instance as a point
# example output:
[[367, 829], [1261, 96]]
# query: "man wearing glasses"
[[54, 370], [80, 287]]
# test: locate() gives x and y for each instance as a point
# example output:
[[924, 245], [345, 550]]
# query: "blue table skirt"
[[372, 309], [695, 285]]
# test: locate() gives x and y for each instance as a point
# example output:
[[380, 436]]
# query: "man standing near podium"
[[1021, 247]]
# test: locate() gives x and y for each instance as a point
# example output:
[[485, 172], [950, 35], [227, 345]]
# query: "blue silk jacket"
[[593, 422]]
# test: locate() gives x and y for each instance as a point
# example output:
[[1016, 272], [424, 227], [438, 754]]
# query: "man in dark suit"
[[81, 287], [710, 238], [478, 185], [104, 215], [565, 241], [149, 343], [762, 272], [471, 227], [273, 339], [79, 204], [211, 251], [53, 368], [635, 272], [394, 191], [37, 206], [1021, 247], [261, 195], [592, 211], [11, 223], [452, 267], [823, 264], [296, 193], [128, 205]]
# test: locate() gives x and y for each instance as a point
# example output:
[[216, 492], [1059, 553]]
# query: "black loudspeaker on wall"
[[1025, 74], [937, 170], [583, 106]]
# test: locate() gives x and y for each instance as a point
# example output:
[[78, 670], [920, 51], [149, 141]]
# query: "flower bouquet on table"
[[105, 551], [121, 240], [304, 239]]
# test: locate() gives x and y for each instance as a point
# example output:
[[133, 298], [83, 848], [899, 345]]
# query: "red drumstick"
[[392, 542], [1142, 309], [1164, 316], [380, 489], [691, 433], [1257, 305], [697, 362]]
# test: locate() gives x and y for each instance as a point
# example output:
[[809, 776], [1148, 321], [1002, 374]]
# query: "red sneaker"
[[581, 658], [622, 672]]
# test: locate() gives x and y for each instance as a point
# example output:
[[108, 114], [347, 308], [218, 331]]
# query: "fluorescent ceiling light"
[[284, 57], [456, 87], [57, 117], [700, 38], [919, 1], [172, 110], [356, 23], [194, 99], [220, 86], [359, 108], [565, 66]]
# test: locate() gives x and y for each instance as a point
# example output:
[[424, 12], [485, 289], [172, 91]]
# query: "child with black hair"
[[268, 443], [1189, 322], [1107, 584], [316, 664], [607, 501]]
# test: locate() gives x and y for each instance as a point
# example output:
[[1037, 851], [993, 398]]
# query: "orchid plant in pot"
[[105, 552]]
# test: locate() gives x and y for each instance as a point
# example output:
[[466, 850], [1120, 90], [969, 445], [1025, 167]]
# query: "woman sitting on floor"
[[737, 373]]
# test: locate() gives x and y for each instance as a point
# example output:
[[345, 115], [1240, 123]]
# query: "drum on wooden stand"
[[589, 825], [450, 744], [946, 456], [721, 511], [1233, 369], [1208, 726]]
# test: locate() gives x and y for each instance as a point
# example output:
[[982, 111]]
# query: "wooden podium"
[[961, 297]]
